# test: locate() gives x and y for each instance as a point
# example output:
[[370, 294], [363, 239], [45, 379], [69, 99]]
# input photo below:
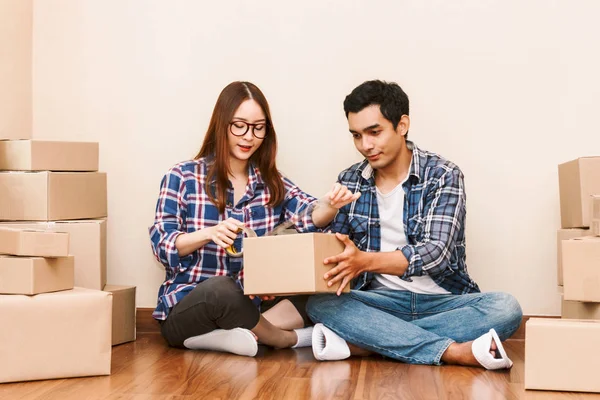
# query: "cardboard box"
[[87, 243], [55, 335], [16, 36], [581, 268], [595, 224], [562, 354], [565, 234], [595, 228], [580, 310], [578, 180], [28, 242], [41, 155], [123, 313], [289, 264], [34, 275], [49, 196]]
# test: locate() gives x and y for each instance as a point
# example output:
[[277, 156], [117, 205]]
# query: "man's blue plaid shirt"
[[434, 220]]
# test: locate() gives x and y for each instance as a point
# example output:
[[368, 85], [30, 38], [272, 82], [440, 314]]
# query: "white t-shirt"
[[391, 208]]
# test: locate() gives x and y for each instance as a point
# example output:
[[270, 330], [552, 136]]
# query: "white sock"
[[237, 341], [304, 337], [481, 350], [327, 345]]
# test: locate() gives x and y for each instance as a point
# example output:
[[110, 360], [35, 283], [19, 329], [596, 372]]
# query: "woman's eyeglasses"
[[240, 128]]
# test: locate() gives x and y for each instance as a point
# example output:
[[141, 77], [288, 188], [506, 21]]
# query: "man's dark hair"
[[389, 96]]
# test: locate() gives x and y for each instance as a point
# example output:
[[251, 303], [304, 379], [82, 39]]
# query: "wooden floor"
[[148, 369]]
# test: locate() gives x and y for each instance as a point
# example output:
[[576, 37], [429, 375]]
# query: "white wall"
[[506, 89], [15, 68]]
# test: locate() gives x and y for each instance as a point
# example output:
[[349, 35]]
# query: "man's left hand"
[[350, 263]]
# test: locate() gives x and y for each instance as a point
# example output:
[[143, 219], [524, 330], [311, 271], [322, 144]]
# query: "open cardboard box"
[[289, 264]]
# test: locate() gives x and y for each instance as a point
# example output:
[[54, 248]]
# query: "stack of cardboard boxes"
[[57, 317], [562, 354]]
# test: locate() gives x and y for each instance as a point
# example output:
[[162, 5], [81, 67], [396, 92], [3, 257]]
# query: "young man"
[[413, 299]]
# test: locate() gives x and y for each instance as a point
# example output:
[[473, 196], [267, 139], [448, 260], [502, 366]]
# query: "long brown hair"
[[215, 145]]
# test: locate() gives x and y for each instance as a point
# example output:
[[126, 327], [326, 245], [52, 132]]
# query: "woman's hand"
[[340, 195], [225, 232], [328, 206], [263, 297]]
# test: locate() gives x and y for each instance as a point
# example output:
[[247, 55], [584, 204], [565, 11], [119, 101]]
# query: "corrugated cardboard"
[[565, 234], [595, 225], [16, 34], [49, 196], [34, 275], [580, 310], [55, 335], [289, 264], [41, 155], [123, 313], [562, 354], [578, 180], [581, 268], [87, 243], [595, 228], [29, 242]]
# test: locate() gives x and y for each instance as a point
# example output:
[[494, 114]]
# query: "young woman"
[[232, 183]]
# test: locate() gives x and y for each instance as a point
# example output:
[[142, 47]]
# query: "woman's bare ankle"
[[289, 338]]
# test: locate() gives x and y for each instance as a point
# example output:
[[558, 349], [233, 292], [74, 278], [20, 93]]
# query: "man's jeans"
[[414, 328]]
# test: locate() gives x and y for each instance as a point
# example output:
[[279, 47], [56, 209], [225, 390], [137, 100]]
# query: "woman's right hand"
[[225, 232]]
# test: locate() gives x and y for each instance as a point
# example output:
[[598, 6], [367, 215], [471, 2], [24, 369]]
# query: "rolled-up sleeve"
[[298, 206], [442, 225], [169, 219]]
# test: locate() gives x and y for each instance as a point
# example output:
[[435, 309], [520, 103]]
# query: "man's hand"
[[263, 298], [350, 263]]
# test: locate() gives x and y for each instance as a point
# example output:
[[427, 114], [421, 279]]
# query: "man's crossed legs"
[[421, 329]]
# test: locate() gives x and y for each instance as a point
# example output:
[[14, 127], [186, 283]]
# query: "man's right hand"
[[225, 232]]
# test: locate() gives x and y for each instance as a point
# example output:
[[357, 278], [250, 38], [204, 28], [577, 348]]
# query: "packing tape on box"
[[232, 251]]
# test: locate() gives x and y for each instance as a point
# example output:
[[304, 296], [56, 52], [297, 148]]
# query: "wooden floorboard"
[[148, 369]]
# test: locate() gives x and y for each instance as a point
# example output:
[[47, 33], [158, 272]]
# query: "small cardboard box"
[[41, 155], [123, 313], [595, 224], [49, 196], [289, 264], [578, 180], [33, 243], [581, 268], [55, 335], [562, 354], [580, 310], [565, 234], [34, 275], [87, 243]]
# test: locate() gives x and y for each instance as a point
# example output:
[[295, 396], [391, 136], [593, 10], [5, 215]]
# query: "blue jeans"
[[414, 328]]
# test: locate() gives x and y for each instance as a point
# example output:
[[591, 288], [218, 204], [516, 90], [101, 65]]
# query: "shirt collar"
[[255, 178], [367, 171]]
